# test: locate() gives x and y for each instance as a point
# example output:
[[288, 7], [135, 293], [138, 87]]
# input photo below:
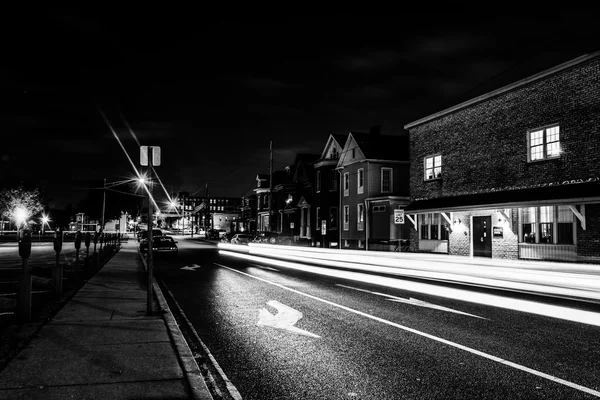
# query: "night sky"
[[212, 92]]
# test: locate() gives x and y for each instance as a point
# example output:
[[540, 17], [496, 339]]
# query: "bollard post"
[[25, 289], [87, 248], [57, 272]]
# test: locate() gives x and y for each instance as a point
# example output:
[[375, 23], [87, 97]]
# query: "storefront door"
[[482, 236]]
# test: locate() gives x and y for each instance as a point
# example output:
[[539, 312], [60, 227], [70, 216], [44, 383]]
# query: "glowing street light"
[[45, 221], [20, 214]]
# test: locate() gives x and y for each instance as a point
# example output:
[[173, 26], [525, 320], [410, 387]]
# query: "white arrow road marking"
[[438, 339], [285, 318], [265, 267], [414, 302], [193, 267]]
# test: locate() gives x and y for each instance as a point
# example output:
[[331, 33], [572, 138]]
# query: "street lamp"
[[20, 215]]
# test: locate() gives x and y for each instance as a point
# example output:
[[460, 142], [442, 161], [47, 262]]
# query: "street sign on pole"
[[398, 216], [155, 155]]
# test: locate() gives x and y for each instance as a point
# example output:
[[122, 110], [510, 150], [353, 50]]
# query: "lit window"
[[547, 225], [318, 181], [386, 180], [361, 181], [346, 184], [360, 217], [433, 167], [544, 143], [346, 217], [432, 227]]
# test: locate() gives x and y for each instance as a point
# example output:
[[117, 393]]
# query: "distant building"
[[514, 173]]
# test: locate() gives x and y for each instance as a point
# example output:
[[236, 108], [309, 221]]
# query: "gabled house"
[[326, 194], [513, 173], [294, 199], [262, 192], [374, 172]]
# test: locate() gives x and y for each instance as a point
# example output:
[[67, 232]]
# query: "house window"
[[318, 217], [334, 154], [346, 218], [334, 180], [333, 217], [346, 184], [433, 167], [379, 208], [386, 180], [544, 143], [353, 153], [360, 217], [318, 181], [361, 181], [432, 227], [547, 225]]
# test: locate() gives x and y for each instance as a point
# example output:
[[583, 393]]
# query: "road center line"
[[432, 337]]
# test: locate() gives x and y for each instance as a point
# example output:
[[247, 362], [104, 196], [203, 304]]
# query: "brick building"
[[514, 173]]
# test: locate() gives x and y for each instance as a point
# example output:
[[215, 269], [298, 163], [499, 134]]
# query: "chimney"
[[376, 130]]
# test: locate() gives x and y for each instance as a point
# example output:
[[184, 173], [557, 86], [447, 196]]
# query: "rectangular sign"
[[323, 227], [144, 150], [398, 216], [498, 231]]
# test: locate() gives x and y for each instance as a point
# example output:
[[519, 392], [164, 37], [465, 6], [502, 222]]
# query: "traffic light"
[[78, 240], [25, 243], [58, 240]]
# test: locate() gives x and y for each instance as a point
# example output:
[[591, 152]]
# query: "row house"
[[514, 173], [374, 171], [326, 198]]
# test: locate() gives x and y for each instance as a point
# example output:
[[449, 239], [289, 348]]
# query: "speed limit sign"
[[398, 216]]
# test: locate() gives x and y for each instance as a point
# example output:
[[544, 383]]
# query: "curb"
[[188, 363]]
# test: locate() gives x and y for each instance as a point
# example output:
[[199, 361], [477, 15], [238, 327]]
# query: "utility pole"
[[103, 203], [206, 227], [150, 217], [270, 185]]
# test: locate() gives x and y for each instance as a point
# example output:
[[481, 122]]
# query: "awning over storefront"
[[566, 193]]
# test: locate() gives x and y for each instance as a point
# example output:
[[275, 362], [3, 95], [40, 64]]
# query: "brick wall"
[[484, 146], [588, 241]]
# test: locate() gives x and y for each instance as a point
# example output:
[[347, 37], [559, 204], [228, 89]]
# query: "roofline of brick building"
[[576, 61]]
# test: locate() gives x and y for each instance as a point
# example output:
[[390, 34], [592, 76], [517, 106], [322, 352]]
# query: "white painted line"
[[265, 267], [432, 337], [412, 301]]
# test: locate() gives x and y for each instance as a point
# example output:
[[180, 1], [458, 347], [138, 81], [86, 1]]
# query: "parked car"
[[144, 234], [212, 234], [242, 238], [266, 237], [160, 245], [227, 237]]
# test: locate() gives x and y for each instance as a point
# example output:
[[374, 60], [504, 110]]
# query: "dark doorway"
[[482, 237]]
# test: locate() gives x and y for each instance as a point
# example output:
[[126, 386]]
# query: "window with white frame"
[[346, 183], [318, 217], [318, 182], [333, 217], [386, 180], [360, 217], [361, 181], [432, 227], [547, 225], [346, 218], [379, 208], [544, 143], [433, 167], [334, 180]]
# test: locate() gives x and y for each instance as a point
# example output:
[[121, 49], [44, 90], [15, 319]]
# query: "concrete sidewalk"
[[102, 345]]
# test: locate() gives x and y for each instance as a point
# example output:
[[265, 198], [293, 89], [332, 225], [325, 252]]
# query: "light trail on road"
[[405, 328]]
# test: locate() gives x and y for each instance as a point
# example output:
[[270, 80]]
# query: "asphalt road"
[[342, 338]]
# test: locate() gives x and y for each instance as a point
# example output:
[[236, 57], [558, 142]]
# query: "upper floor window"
[[334, 153], [544, 143], [346, 183], [333, 217], [433, 167], [361, 181], [386, 180], [334, 180], [381, 208], [318, 181]]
